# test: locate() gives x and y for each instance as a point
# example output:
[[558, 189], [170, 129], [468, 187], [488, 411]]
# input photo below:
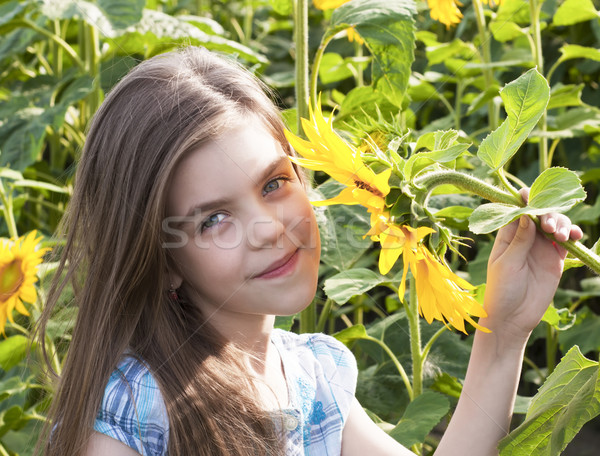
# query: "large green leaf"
[[388, 30], [420, 417], [525, 100], [566, 401], [555, 190], [574, 11], [351, 282]]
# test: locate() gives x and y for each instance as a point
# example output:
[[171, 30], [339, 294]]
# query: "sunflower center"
[[364, 186], [11, 278]]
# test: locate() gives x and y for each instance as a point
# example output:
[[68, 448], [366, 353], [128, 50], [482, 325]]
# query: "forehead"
[[224, 167]]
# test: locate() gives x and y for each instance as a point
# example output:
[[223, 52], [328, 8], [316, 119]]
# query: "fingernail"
[[524, 221], [551, 222]]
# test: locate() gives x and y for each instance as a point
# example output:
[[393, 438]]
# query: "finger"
[[550, 223], [522, 241], [503, 240], [576, 233], [524, 192], [565, 230]]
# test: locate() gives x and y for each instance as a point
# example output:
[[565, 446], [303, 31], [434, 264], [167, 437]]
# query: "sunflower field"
[[419, 121]]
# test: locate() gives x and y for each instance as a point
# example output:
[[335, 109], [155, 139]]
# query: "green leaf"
[[333, 68], [282, 7], [341, 228], [574, 122], [284, 322], [122, 13], [9, 10], [525, 100], [514, 11], [574, 11], [585, 213], [12, 351], [585, 333], [575, 51], [506, 31], [566, 401], [492, 216], [351, 282], [560, 319], [420, 417], [565, 95], [448, 385], [158, 31], [349, 335], [556, 190], [480, 100], [388, 31]]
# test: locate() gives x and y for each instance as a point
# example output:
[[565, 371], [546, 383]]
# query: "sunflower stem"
[[466, 182], [488, 74], [396, 363], [415, 339], [534, 10], [301, 45], [412, 312], [7, 209]]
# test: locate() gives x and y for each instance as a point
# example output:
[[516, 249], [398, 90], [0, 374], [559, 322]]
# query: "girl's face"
[[246, 239]]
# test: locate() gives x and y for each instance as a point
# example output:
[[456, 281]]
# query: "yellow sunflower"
[[19, 261], [441, 294], [326, 151], [445, 11], [328, 4]]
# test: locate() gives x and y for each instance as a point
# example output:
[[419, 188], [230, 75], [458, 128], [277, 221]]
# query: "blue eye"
[[274, 184], [211, 221]]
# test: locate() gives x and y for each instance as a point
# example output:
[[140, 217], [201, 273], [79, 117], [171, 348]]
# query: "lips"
[[279, 267]]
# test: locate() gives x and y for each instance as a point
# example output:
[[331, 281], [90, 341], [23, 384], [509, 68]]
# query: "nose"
[[266, 228]]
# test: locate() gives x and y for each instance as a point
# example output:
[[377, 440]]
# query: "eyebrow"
[[209, 205]]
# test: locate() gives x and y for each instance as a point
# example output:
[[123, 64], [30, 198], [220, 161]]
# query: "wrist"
[[505, 337]]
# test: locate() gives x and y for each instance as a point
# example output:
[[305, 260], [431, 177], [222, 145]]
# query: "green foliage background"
[[412, 78]]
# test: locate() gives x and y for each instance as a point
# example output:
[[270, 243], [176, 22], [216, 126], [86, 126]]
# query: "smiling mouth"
[[280, 268]]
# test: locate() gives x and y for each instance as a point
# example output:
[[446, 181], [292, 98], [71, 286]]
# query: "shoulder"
[[132, 409], [323, 347]]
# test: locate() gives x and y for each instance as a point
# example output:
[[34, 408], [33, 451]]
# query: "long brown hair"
[[162, 109]]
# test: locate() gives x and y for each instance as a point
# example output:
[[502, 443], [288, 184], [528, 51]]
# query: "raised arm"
[[523, 273]]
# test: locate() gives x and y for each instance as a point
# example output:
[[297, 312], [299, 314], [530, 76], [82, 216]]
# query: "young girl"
[[189, 229]]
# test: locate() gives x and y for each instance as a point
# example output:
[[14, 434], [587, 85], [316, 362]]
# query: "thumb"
[[523, 240]]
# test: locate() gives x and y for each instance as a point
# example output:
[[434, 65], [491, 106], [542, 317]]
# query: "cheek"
[[201, 262]]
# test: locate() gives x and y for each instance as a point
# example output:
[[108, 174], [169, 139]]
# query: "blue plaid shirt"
[[321, 376]]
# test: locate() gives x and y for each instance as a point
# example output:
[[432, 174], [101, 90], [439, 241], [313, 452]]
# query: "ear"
[[175, 280]]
